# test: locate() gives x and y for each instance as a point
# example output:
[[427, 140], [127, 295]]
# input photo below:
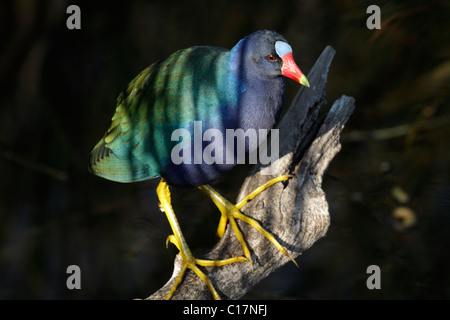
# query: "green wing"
[[117, 155], [167, 95]]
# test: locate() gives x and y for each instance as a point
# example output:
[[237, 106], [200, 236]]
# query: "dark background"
[[388, 189]]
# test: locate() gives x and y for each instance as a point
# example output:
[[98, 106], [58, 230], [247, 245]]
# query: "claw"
[[174, 241], [232, 212], [177, 238]]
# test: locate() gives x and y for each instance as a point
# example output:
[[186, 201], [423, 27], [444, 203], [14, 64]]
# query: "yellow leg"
[[189, 262], [231, 212]]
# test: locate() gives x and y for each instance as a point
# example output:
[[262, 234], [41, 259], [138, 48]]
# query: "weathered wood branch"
[[296, 212]]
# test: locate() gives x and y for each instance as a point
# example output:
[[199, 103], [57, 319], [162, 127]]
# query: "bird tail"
[[104, 163]]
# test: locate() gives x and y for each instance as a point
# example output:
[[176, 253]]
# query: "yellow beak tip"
[[304, 81]]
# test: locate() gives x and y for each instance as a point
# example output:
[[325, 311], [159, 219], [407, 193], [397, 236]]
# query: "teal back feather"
[[192, 84]]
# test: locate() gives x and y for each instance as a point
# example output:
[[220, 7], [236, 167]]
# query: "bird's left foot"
[[189, 262], [177, 238], [231, 212]]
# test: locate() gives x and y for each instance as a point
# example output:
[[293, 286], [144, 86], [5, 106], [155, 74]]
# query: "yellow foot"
[[231, 212], [189, 262]]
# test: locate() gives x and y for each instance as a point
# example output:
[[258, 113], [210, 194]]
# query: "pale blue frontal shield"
[[282, 48]]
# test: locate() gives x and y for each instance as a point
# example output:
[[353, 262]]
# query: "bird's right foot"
[[230, 212]]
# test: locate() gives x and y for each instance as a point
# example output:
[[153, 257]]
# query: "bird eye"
[[271, 57]]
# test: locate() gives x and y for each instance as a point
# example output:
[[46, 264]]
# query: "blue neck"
[[260, 101]]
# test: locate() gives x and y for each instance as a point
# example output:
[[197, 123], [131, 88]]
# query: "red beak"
[[291, 70]]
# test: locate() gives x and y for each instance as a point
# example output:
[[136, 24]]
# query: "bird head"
[[271, 56]]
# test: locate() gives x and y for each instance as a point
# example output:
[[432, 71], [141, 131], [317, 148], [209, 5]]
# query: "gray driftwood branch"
[[296, 211]]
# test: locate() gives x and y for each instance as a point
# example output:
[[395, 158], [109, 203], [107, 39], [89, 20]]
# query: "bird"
[[194, 90]]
